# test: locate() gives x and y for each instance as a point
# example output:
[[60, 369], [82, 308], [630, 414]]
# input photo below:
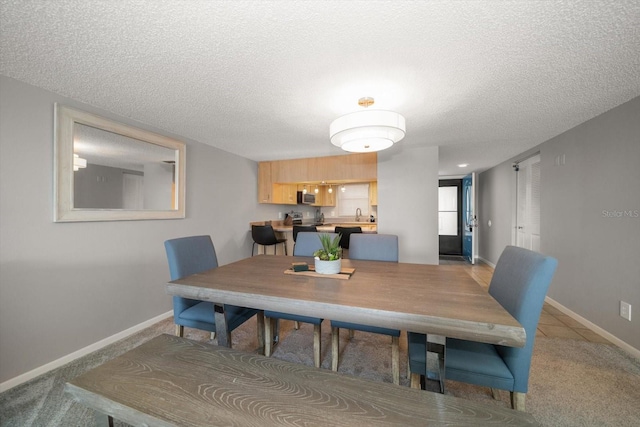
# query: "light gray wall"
[[89, 192], [64, 286], [158, 186], [583, 219], [408, 200]]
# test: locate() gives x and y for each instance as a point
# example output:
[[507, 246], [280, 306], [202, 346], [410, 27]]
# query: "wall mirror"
[[108, 171]]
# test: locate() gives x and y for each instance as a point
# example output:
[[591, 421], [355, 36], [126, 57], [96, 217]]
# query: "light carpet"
[[572, 383]]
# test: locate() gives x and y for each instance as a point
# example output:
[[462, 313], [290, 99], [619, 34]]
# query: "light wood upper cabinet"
[[272, 176], [290, 194], [264, 183], [358, 167], [289, 171], [285, 194], [348, 168], [373, 193], [329, 199]]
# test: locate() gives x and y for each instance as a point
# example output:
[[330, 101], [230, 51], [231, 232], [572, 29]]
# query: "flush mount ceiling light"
[[367, 130]]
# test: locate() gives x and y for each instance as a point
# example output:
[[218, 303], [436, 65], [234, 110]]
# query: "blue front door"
[[467, 218]]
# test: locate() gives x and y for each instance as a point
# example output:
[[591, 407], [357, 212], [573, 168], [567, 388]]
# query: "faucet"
[[358, 213]]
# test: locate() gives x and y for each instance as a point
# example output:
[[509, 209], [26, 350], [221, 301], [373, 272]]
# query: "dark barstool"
[[299, 228], [264, 235], [345, 233]]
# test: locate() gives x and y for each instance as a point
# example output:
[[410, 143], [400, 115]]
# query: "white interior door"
[[132, 191], [527, 225]]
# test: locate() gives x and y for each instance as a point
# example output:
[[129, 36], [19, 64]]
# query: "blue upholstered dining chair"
[[373, 247], [306, 244], [520, 282], [195, 254]]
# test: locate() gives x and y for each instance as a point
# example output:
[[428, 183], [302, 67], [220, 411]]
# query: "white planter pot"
[[328, 267]]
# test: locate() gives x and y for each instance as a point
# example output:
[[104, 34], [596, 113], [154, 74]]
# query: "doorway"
[[450, 217], [527, 207]]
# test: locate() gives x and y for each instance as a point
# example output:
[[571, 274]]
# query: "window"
[[355, 196]]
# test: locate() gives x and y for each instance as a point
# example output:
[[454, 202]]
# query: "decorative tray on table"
[[345, 272]]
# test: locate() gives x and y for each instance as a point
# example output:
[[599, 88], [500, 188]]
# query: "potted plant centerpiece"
[[328, 259]]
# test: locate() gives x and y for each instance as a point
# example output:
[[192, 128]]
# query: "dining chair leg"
[[517, 401], [352, 334], [395, 359], [296, 325], [213, 336], [179, 330], [415, 381], [335, 347], [495, 393], [317, 344]]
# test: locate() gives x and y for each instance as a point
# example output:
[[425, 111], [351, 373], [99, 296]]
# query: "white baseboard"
[[82, 352], [595, 328], [492, 265]]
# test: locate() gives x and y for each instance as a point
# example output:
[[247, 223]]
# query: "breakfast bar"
[[286, 230]]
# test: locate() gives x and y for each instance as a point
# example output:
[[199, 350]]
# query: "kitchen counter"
[[286, 231], [367, 227]]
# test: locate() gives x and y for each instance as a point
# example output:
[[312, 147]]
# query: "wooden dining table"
[[431, 299]]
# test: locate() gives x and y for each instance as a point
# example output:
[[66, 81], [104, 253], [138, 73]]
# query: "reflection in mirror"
[[121, 172], [109, 171]]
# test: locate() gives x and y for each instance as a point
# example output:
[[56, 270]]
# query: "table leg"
[[224, 337], [436, 344]]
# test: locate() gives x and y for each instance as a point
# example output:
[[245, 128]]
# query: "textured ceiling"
[[483, 80]]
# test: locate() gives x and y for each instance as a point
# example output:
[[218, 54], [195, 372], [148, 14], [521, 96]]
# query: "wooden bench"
[[173, 381]]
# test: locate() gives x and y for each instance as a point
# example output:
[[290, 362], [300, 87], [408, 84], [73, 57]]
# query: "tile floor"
[[553, 323]]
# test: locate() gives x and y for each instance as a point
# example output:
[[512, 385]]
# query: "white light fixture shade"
[[369, 130]]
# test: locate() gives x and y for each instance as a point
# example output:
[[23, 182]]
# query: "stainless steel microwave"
[[306, 198]]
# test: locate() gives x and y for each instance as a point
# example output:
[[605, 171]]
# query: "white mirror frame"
[[65, 120]]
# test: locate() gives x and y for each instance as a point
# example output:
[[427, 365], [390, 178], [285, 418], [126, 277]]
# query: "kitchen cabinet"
[[285, 194], [290, 194], [348, 168], [279, 180], [289, 171], [265, 187], [329, 199], [323, 197], [373, 193]]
